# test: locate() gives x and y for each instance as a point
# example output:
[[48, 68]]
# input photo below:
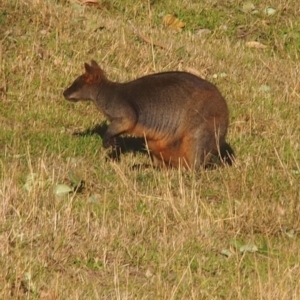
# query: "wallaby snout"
[[67, 94]]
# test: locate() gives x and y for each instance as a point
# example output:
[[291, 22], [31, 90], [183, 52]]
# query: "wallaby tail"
[[227, 154]]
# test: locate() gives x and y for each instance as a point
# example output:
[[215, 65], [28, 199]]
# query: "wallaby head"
[[85, 86]]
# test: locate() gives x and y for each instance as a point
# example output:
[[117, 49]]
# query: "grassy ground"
[[134, 232]]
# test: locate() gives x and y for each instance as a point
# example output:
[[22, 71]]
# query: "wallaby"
[[182, 117]]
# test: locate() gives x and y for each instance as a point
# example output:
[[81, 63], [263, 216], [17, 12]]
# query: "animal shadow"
[[137, 145], [123, 144]]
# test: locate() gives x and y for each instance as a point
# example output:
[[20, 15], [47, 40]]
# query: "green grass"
[[135, 232]]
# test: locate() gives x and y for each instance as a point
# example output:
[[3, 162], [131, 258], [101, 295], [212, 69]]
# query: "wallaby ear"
[[94, 72], [88, 68], [97, 71], [94, 64]]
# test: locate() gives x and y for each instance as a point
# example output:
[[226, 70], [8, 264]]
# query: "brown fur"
[[184, 118]]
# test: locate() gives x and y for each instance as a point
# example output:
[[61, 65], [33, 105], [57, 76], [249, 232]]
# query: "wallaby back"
[[184, 118]]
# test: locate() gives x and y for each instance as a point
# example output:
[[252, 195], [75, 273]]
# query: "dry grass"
[[137, 232]]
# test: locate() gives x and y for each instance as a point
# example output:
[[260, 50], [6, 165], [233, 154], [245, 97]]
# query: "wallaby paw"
[[106, 143], [109, 142]]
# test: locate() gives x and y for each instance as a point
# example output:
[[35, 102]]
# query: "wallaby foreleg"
[[115, 128]]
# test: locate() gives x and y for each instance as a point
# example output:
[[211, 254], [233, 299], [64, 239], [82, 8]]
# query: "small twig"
[[146, 39]]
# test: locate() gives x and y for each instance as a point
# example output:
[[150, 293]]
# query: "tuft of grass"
[[131, 231]]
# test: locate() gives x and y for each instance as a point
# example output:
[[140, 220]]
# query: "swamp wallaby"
[[183, 118]]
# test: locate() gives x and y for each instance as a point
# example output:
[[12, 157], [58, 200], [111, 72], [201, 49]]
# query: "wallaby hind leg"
[[157, 161], [211, 146], [165, 152], [167, 160], [190, 153], [198, 148]]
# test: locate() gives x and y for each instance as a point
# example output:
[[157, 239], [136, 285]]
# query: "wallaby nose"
[[65, 94], [69, 95]]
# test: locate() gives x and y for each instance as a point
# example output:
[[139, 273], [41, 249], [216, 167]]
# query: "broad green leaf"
[[248, 248], [264, 88], [248, 7], [236, 243], [74, 178], [270, 11], [62, 189], [226, 252]]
